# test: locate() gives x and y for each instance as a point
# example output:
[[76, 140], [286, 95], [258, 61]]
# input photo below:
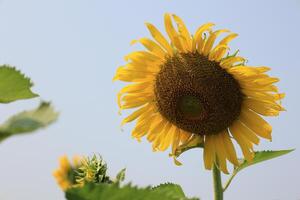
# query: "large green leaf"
[[28, 121], [14, 85], [92, 191], [260, 156]]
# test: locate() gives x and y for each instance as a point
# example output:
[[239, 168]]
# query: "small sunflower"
[[92, 169], [188, 89], [65, 175]]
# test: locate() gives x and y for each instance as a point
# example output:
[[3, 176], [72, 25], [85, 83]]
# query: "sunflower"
[[189, 90], [65, 174]]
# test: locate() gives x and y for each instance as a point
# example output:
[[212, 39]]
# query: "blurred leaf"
[[92, 191], [120, 176], [28, 121], [14, 85], [260, 156]]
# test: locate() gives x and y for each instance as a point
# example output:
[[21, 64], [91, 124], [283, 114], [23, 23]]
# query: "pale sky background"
[[71, 49]]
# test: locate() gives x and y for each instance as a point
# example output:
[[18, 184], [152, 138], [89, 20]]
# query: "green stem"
[[218, 190]]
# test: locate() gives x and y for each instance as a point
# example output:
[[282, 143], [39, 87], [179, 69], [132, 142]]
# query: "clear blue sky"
[[71, 49]]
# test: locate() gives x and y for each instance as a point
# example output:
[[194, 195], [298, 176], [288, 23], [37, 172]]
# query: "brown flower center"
[[196, 94]]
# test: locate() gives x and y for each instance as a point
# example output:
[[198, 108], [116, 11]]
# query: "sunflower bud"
[[92, 170]]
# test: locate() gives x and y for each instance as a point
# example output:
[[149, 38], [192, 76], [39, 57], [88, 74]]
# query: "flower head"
[[92, 170], [188, 90]]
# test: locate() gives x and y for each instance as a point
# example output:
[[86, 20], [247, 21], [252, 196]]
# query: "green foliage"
[[92, 191], [171, 190], [260, 156], [120, 176], [14, 85], [92, 183], [92, 170], [28, 121]]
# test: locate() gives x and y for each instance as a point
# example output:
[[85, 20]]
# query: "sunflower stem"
[[218, 190]]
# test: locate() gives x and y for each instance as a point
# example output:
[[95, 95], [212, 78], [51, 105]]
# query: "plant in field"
[[86, 179], [188, 91]]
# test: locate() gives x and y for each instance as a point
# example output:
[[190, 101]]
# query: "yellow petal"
[[256, 123], [266, 81], [134, 96], [183, 31], [198, 40], [218, 52], [265, 108], [151, 68], [243, 144], [151, 137], [228, 38], [279, 96], [261, 69], [136, 114], [64, 163], [168, 138], [257, 88], [210, 41], [127, 77], [136, 102], [209, 152], [221, 152], [135, 70], [237, 126], [264, 96], [143, 125], [176, 140], [142, 56], [172, 33], [158, 124], [56, 174], [152, 47], [231, 153], [228, 62], [143, 86], [159, 38], [124, 74], [162, 135], [248, 71]]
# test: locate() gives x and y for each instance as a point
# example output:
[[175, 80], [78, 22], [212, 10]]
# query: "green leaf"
[[92, 191], [261, 156], [28, 121], [14, 85], [120, 176], [170, 189]]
